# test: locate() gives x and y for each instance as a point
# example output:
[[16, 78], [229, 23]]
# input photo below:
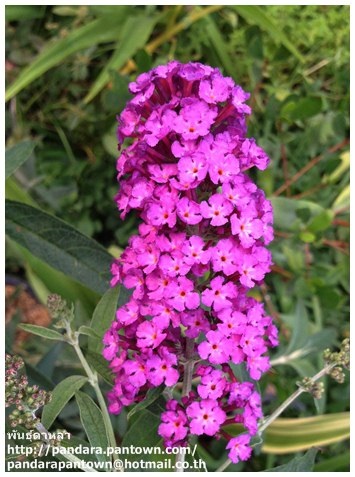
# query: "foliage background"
[[67, 72]]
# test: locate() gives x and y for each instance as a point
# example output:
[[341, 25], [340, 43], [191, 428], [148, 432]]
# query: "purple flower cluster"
[[199, 250]]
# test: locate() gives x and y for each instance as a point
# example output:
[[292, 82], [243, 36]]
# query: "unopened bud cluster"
[[315, 389], [60, 311], [341, 358], [27, 399]]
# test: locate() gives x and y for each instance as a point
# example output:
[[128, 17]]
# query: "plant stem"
[[292, 398], [282, 407], [186, 388], [224, 466], [74, 341]]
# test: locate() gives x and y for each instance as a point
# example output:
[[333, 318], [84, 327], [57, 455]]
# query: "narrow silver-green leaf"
[[61, 394], [93, 423], [42, 331], [135, 33], [17, 155], [59, 245], [103, 316], [86, 330]]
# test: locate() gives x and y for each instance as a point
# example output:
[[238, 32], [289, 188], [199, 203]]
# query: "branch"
[[309, 166]]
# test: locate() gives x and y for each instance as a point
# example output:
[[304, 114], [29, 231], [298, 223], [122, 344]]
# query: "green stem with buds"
[[283, 406]]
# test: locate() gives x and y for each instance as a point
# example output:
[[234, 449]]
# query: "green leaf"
[[299, 332], [218, 43], [17, 155], [256, 15], [98, 362], [93, 423], [152, 395], [55, 281], [101, 30], [43, 332], [301, 109], [61, 395], [105, 313], [304, 463], [82, 446], [343, 199], [35, 376], [337, 463], [343, 167], [314, 344], [307, 237], [286, 212], [86, 330], [23, 12], [129, 44], [285, 435], [60, 245], [143, 431], [14, 191], [321, 222], [47, 363]]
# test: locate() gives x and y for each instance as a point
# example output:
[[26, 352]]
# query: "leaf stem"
[[73, 339], [292, 398]]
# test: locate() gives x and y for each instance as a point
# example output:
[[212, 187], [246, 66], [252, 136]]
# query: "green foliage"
[[17, 155], [59, 245], [43, 332], [104, 314], [303, 463], [93, 423], [67, 71], [61, 394]]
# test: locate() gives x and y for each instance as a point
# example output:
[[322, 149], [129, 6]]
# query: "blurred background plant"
[[67, 70]]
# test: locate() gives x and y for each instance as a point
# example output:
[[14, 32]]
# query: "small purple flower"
[[181, 295], [173, 427], [223, 257], [206, 417], [247, 228], [216, 349], [162, 213], [239, 448], [195, 322], [160, 369], [217, 209], [212, 385], [195, 119], [220, 294], [223, 169], [188, 211], [149, 335], [192, 168]]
